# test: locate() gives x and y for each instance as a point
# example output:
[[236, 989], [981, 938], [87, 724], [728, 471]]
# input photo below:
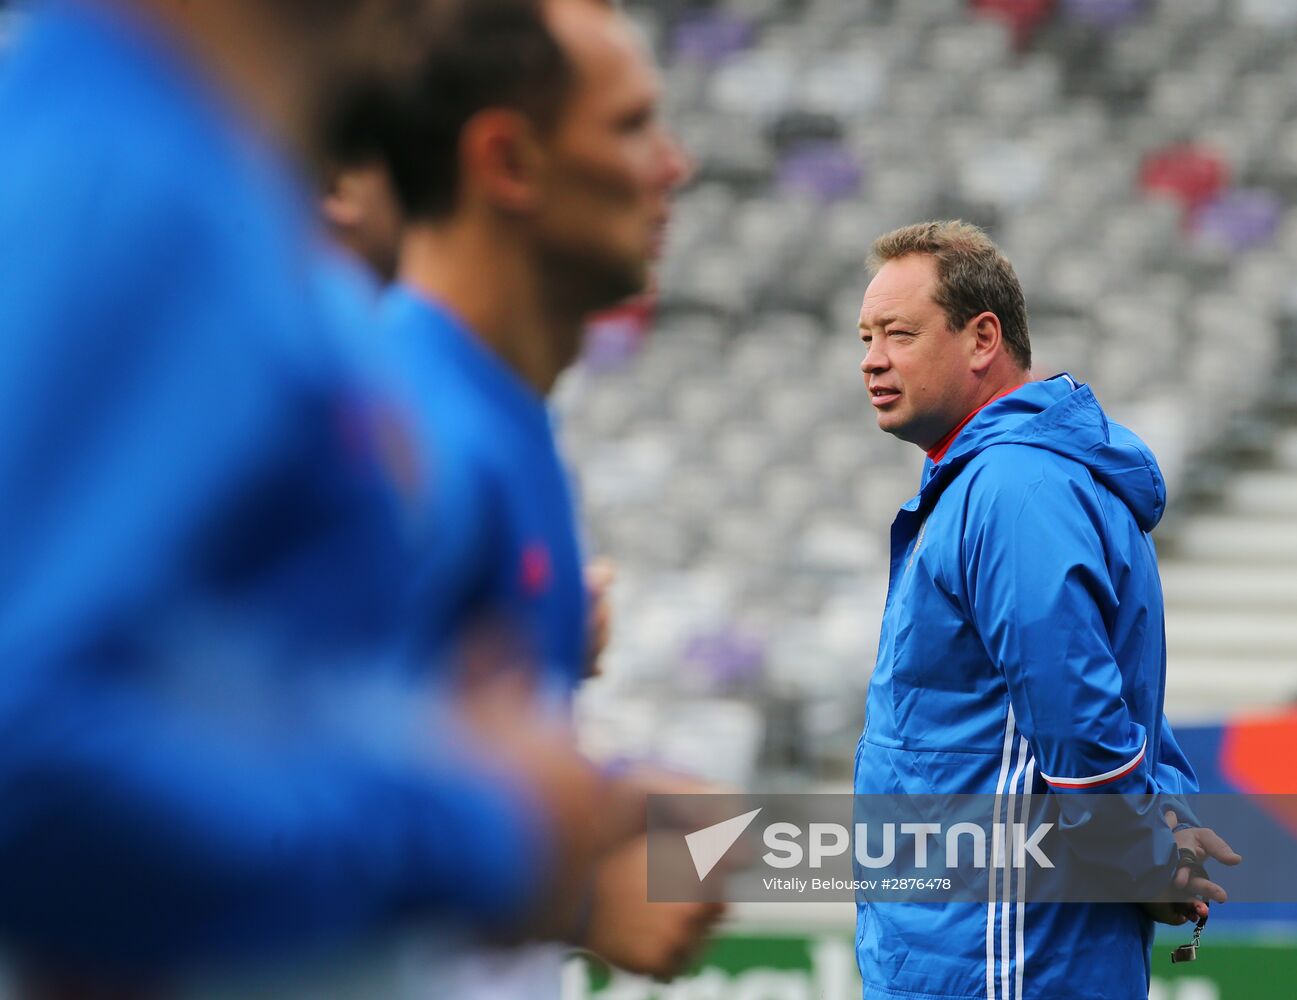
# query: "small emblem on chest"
[[536, 570]]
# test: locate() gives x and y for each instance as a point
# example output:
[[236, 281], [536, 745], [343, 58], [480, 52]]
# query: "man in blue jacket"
[[1022, 649]]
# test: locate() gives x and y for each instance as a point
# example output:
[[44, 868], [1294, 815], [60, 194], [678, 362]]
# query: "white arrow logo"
[[708, 845]]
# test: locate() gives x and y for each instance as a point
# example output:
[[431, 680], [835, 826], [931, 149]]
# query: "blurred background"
[[1137, 161]]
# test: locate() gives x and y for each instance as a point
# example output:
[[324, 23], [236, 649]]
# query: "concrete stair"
[[1230, 583]]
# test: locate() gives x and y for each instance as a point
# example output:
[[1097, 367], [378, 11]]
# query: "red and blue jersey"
[[1022, 653]]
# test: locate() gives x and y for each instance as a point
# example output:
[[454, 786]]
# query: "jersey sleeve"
[[1040, 596]]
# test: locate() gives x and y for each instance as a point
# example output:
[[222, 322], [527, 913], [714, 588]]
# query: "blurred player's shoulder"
[[483, 432], [134, 201], [346, 298], [499, 536], [462, 390], [121, 123], [423, 359], [133, 135], [152, 246]]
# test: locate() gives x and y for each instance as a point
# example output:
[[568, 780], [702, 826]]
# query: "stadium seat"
[[1139, 179]]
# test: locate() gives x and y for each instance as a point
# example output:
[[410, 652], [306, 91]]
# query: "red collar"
[[938, 451]]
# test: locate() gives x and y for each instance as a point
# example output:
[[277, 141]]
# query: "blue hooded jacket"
[[1023, 652]]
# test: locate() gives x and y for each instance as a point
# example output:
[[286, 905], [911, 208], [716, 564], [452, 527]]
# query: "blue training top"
[[198, 549], [494, 521]]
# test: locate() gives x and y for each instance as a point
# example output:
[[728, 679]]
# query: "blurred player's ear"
[[501, 160], [361, 212], [341, 210]]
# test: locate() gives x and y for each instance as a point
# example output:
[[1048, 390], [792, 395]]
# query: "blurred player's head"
[[945, 327], [536, 120], [291, 63]]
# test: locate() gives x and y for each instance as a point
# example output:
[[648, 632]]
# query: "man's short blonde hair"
[[973, 276]]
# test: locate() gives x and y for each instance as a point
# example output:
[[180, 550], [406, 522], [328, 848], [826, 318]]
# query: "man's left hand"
[[1204, 843]]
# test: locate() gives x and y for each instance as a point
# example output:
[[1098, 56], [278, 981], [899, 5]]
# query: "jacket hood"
[[1063, 416]]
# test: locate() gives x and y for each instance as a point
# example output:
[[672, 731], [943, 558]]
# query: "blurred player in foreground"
[[204, 761], [1022, 648], [535, 178]]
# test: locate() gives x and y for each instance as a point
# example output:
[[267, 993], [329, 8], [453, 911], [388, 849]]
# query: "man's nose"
[[874, 361]]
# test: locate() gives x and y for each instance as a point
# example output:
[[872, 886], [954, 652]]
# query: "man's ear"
[[501, 160], [987, 340]]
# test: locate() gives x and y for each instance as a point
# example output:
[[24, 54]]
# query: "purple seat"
[[711, 37], [1103, 13], [728, 659], [1238, 220], [825, 170]]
